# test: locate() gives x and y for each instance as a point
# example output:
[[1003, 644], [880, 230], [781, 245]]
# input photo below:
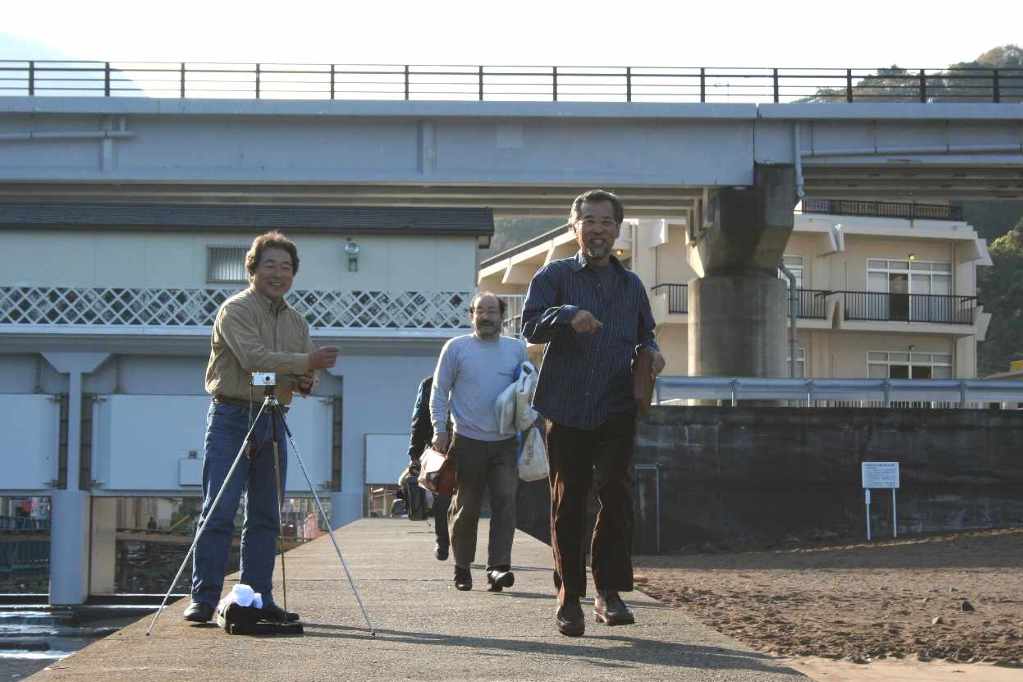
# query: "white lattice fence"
[[117, 307]]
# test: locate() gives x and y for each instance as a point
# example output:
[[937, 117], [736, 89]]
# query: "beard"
[[598, 252], [487, 328]]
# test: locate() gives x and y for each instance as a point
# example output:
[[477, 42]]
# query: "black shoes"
[[276, 614], [199, 612], [569, 618], [608, 608], [463, 579], [499, 578], [440, 551]]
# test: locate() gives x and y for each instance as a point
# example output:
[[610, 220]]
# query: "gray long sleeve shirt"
[[471, 373]]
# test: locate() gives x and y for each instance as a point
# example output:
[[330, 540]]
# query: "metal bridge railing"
[[189, 80], [842, 392]]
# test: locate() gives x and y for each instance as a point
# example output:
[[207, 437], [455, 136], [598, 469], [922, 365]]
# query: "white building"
[[105, 314], [886, 289]]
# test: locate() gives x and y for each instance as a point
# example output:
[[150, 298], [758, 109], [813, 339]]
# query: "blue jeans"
[[226, 426]]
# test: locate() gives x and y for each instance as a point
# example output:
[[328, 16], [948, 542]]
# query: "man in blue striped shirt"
[[594, 316]]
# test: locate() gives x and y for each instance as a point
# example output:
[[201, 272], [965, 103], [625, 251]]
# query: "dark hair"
[[597, 195], [270, 240], [502, 305]]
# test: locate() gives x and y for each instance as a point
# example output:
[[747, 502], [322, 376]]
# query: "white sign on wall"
[[880, 474]]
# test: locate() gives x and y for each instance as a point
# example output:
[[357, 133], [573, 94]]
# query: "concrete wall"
[[735, 477], [138, 259]]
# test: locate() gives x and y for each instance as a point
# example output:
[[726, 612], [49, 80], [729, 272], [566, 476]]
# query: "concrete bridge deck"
[[425, 628]]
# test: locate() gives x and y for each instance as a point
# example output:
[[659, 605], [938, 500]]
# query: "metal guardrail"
[[678, 297], [882, 209], [883, 392], [888, 307], [813, 304], [506, 83]]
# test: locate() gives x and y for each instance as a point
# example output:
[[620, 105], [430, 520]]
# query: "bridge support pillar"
[[737, 309], [103, 546], [70, 507]]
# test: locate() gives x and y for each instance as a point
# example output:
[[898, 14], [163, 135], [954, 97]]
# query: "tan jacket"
[[252, 333]]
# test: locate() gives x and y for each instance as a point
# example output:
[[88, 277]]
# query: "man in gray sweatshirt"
[[471, 373]]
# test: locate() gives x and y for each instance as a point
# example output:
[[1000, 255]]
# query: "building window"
[[908, 276], [226, 265], [908, 365], [916, 289], [795, 264], [800, 361]]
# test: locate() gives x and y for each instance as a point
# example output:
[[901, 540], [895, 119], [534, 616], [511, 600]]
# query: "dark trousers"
[[580, 458], [483, 465], [440, 519]]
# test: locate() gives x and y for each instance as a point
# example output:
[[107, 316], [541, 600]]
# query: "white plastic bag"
[[533, 458], [525, 415], [504, 409]]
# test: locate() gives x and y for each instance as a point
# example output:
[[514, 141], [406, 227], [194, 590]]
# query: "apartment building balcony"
[[937, 313], [882, 209], [190, 312], [512, 314], [670, 304]]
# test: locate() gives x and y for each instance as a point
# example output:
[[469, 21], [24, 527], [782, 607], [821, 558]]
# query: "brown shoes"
[[569, 618], [609, 609]]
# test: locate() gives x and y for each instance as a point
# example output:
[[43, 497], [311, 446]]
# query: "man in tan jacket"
[[255, 331]]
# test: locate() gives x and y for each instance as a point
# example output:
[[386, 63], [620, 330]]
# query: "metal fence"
[[506, 83], [882, 209], [678, 297], [885, 307], [887, 393], [813, 303]]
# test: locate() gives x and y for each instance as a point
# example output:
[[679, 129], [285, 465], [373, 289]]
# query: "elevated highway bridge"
[[732, 168]]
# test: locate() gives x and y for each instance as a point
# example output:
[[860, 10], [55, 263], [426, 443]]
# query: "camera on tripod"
[[264, 378]]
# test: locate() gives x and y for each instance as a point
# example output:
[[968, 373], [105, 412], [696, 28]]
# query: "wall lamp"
[[352, 251]]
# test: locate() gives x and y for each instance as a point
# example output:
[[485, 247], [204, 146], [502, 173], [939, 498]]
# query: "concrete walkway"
[[425, 628]]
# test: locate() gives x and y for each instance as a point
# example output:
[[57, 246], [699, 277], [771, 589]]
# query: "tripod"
[[273, 407]]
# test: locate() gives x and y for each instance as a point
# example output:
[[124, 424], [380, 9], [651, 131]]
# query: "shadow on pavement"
[[636, 650]]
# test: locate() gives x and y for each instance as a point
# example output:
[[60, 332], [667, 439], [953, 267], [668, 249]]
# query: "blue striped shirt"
[[586, 377]]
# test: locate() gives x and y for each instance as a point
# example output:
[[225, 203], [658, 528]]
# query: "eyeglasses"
[[592, 222]]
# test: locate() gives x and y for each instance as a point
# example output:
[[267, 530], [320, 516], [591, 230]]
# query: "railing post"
[[886, 388], [106, 79], [554, 76], [31, 78], [775, 79], [996, 91], [628, 83], [703, 85], [257, 81], [481, 82], [332, 81], [923, 86], [848, 85], [406, 82], [182, 80]]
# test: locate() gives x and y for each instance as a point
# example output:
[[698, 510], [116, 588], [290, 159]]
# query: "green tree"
[[1001, 292], [963, 81]]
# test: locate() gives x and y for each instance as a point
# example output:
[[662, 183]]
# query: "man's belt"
[[254, 406]]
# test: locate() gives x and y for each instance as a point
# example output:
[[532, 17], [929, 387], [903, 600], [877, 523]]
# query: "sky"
[[865, 34]]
